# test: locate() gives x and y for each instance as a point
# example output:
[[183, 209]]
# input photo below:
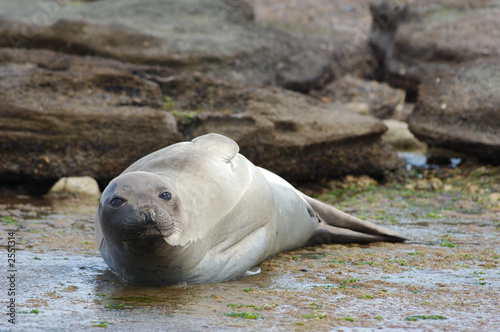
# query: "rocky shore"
[[86, 88]]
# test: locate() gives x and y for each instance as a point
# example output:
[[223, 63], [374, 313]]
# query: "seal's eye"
[[117, 202], [166, 195]]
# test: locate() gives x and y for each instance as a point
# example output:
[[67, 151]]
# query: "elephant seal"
[[201, 212]]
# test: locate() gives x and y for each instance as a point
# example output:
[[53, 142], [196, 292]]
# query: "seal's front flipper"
[[253, 271], [361, 231]]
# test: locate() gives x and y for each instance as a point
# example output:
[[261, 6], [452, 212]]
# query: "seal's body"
[[201, 212]]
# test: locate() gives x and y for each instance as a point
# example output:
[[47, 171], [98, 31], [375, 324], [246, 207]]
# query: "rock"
[[360, 108], [436, 183], [411, 40], [426, 184], [448, 187], [217, 37], [378, 99], [65, 115], [399, 136], [471, 187], [458, 110], [288, 133], [83, 185], [305, 74], [133, 84], [423, 185], [340, 27], [361, 181], [494, 197], [429, 182]]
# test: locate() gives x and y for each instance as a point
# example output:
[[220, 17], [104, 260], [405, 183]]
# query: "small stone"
[[410, 186], [423, 185], [447, 187], [471, 188], [483, 171], [435, 183], [359, 181], [360, 108], [81, 185], [399, 136], [494, 197]]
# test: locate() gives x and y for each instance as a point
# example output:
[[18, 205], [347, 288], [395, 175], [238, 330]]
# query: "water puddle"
[[420, 160]]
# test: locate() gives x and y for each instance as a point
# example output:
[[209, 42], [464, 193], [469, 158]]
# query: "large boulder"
[[410, 41], [341, 27], [459, 109], [289, 133], [217, 37], [65, 115], [86, 88], [364, 96]]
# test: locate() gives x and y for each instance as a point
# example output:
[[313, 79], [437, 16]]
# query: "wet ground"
[[446, 278]]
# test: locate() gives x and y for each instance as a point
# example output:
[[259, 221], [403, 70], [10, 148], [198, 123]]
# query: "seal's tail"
[[340, 227]]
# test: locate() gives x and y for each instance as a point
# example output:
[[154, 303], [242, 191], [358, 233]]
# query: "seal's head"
[[137, 209]]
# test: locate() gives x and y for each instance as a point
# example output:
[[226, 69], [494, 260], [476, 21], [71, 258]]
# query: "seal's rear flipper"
[[361, 231], [326, 234]]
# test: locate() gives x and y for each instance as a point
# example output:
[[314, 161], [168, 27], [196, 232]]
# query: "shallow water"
[[447, 274], [424, 161]]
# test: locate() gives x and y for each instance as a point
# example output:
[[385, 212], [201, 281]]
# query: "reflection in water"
[[422, 161]]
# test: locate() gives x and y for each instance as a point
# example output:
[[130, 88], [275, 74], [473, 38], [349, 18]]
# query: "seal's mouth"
[[150, 231]]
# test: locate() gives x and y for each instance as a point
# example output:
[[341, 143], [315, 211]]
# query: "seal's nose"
[[148, 215]]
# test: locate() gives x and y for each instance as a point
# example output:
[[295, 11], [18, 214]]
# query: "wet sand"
[[446, 278]]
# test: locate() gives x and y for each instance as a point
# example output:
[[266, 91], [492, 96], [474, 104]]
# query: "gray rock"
[[459, 110], [342, 27], [65, 115], [380, 99], [289, 133], [410, 41], [399, 136], [217, 37]]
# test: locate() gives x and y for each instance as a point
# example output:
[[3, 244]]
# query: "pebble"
[[471, 188], [83, 185], [494, 197]]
